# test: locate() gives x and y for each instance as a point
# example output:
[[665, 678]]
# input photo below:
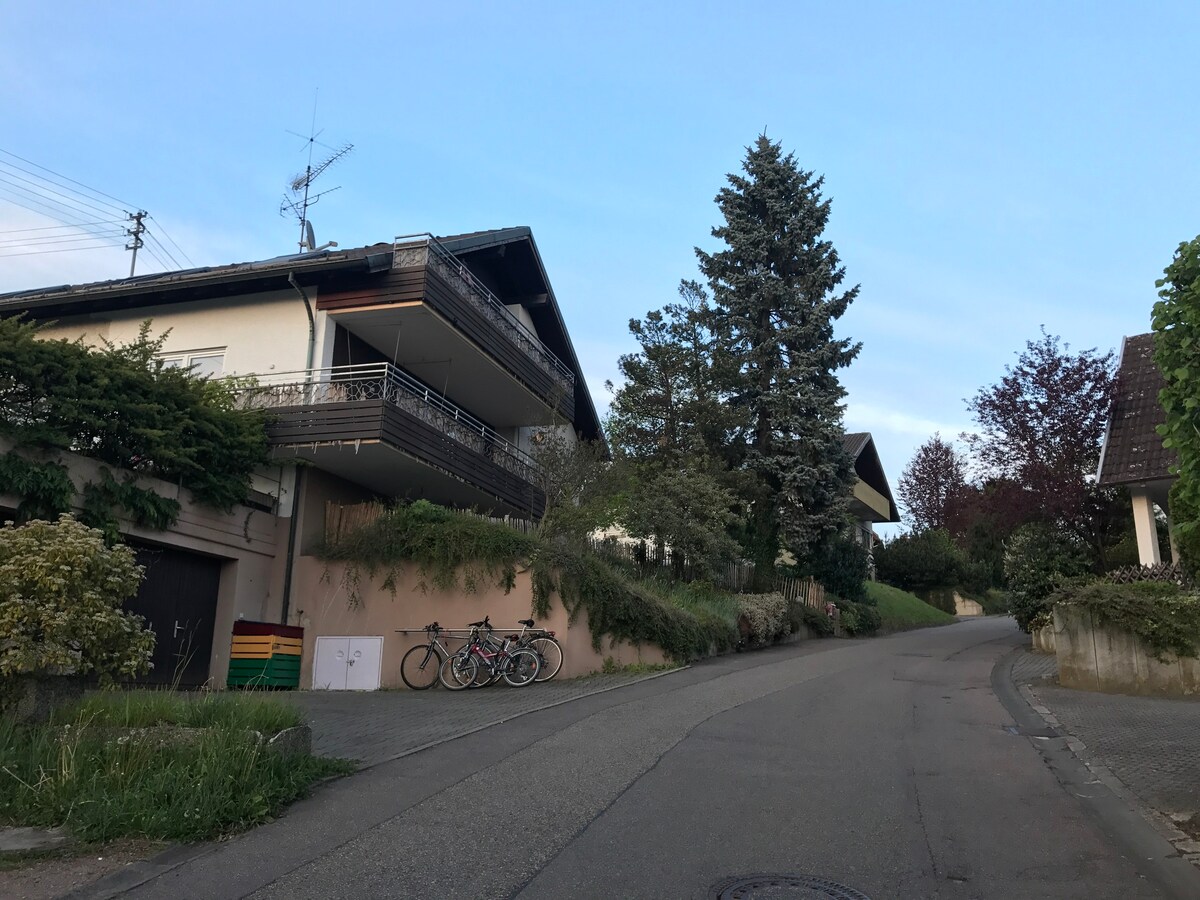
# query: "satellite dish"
[[309, 240]]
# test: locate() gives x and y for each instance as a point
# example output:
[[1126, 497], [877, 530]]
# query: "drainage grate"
[[783, 887]]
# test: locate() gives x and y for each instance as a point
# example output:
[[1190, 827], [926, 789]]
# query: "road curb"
[[1123, 816], [136, 874]]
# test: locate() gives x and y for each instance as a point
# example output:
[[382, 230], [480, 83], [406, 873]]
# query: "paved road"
[[888, 766]]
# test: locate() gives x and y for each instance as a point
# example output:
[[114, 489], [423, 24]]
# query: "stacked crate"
[[265, 655]]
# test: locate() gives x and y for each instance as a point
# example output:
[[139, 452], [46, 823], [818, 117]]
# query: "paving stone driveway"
[[375, 726], [1151, 744]]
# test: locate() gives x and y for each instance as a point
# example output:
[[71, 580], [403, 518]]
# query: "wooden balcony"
[[378, 427], [430, 314]]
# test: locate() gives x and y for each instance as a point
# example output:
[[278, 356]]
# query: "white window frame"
[[186, 359]]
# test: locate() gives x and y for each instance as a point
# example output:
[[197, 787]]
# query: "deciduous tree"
[[1177, 352], [932, 484]]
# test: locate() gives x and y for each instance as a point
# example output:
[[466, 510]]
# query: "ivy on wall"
[[118, 404], [456, 551]]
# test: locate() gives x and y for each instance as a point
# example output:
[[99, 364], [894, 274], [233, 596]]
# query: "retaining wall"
[[1095, 657]]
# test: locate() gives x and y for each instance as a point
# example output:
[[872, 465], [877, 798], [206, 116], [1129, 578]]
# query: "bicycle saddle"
[[528, 623]]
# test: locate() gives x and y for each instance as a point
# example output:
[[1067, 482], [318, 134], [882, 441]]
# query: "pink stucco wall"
[[322, 607]]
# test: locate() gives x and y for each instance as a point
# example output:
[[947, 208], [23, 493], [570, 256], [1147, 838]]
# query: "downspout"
[[298, 481]]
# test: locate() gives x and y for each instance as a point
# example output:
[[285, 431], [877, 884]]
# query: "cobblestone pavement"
[[375, 726], [1151, 744]]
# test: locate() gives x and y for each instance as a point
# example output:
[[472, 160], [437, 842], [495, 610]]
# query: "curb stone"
[[1187, 846]]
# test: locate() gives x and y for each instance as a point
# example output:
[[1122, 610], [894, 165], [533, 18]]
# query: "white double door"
[[347, 663]]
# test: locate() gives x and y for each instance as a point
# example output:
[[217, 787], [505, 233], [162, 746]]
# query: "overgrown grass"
[[900, 610], [146, 708], [102, 786]]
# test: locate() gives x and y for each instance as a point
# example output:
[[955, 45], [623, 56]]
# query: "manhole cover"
[[782, 887]]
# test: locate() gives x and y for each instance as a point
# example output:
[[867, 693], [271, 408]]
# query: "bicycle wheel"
[[521, 668], [419, 667], [457, 672], [550, 656]]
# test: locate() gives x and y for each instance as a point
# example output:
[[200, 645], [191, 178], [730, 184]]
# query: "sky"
[[994, 169]]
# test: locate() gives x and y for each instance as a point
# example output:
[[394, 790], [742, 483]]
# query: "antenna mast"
[[300, 197]]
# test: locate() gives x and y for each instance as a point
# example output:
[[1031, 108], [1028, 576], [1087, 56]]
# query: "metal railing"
[[383, 381], [425, 249]]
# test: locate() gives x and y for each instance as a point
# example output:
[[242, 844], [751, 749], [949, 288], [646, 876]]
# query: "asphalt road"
[[888, 766]]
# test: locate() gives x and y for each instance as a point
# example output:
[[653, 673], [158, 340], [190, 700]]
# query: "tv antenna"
[[300, 196]]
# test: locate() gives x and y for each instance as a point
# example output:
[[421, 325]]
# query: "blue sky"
[[993, 169]]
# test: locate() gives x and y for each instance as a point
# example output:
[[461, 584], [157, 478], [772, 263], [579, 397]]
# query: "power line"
[[162, 249], [56, 209], [63, 250], [41, 189], [60, 239], [60, 227], [73, 205], [173, 244], [122, 203], [57, 215]]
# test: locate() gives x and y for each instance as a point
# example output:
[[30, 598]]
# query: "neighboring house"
[[422, 368], [1133, 455], [872, 502]]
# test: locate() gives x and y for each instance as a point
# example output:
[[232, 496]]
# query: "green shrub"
[[1037, 560], [928, 559], [821, 624], [1163, 615], [765, 617], [860, 619], [61, 593], [841, 567], [452, 550]]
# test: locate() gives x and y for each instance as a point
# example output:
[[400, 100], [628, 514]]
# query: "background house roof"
[[861, 446], [1133, 451]]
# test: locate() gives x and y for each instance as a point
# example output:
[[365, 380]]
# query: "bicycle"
[[545, 645], [420, 666], [484, 661]]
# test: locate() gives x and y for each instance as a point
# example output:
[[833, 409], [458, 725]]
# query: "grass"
[[900, 610], [147, 708], [76, 775], [612, 667]]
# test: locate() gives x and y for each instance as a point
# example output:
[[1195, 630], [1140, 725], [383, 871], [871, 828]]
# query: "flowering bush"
[[61, 591], [764, 618]]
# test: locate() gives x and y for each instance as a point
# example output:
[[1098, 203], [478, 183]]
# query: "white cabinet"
[[347, 663]]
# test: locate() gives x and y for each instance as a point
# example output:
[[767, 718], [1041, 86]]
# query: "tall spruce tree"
[[774, 301]]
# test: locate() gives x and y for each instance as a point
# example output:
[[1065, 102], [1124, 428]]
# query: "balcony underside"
[[436, 352], [426, 289], [394, 454]]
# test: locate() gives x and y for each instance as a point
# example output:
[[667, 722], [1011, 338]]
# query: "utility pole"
[[135, 233]]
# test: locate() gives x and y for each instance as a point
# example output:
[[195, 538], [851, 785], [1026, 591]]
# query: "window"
[[205, 363]]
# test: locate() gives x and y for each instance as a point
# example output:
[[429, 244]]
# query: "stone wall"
[[1095, 657]]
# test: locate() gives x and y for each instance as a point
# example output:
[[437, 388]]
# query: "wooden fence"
[[649, 560], [1163, 572]]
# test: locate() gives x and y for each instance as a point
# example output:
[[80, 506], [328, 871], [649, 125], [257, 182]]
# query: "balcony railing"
[[383, 381], [426, 250]]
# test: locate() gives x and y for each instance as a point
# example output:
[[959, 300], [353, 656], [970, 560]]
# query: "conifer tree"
[[775, 296]]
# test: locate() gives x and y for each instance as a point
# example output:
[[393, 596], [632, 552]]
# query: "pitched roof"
[[1133, 450], [867, 466]]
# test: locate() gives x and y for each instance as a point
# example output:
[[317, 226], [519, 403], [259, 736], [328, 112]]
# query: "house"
[[420, 368], [1132, 455], [872, 501]]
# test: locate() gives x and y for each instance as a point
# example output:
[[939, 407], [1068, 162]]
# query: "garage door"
[[178, 597]]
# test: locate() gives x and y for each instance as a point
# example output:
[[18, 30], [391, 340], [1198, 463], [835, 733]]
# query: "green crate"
[[274, 672]]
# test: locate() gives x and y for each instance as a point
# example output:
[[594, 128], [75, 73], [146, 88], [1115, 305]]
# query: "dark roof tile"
[[1133, 451]]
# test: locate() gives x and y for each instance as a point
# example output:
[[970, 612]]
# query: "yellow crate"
[[253, 642], [286, 650], [251, 654]]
